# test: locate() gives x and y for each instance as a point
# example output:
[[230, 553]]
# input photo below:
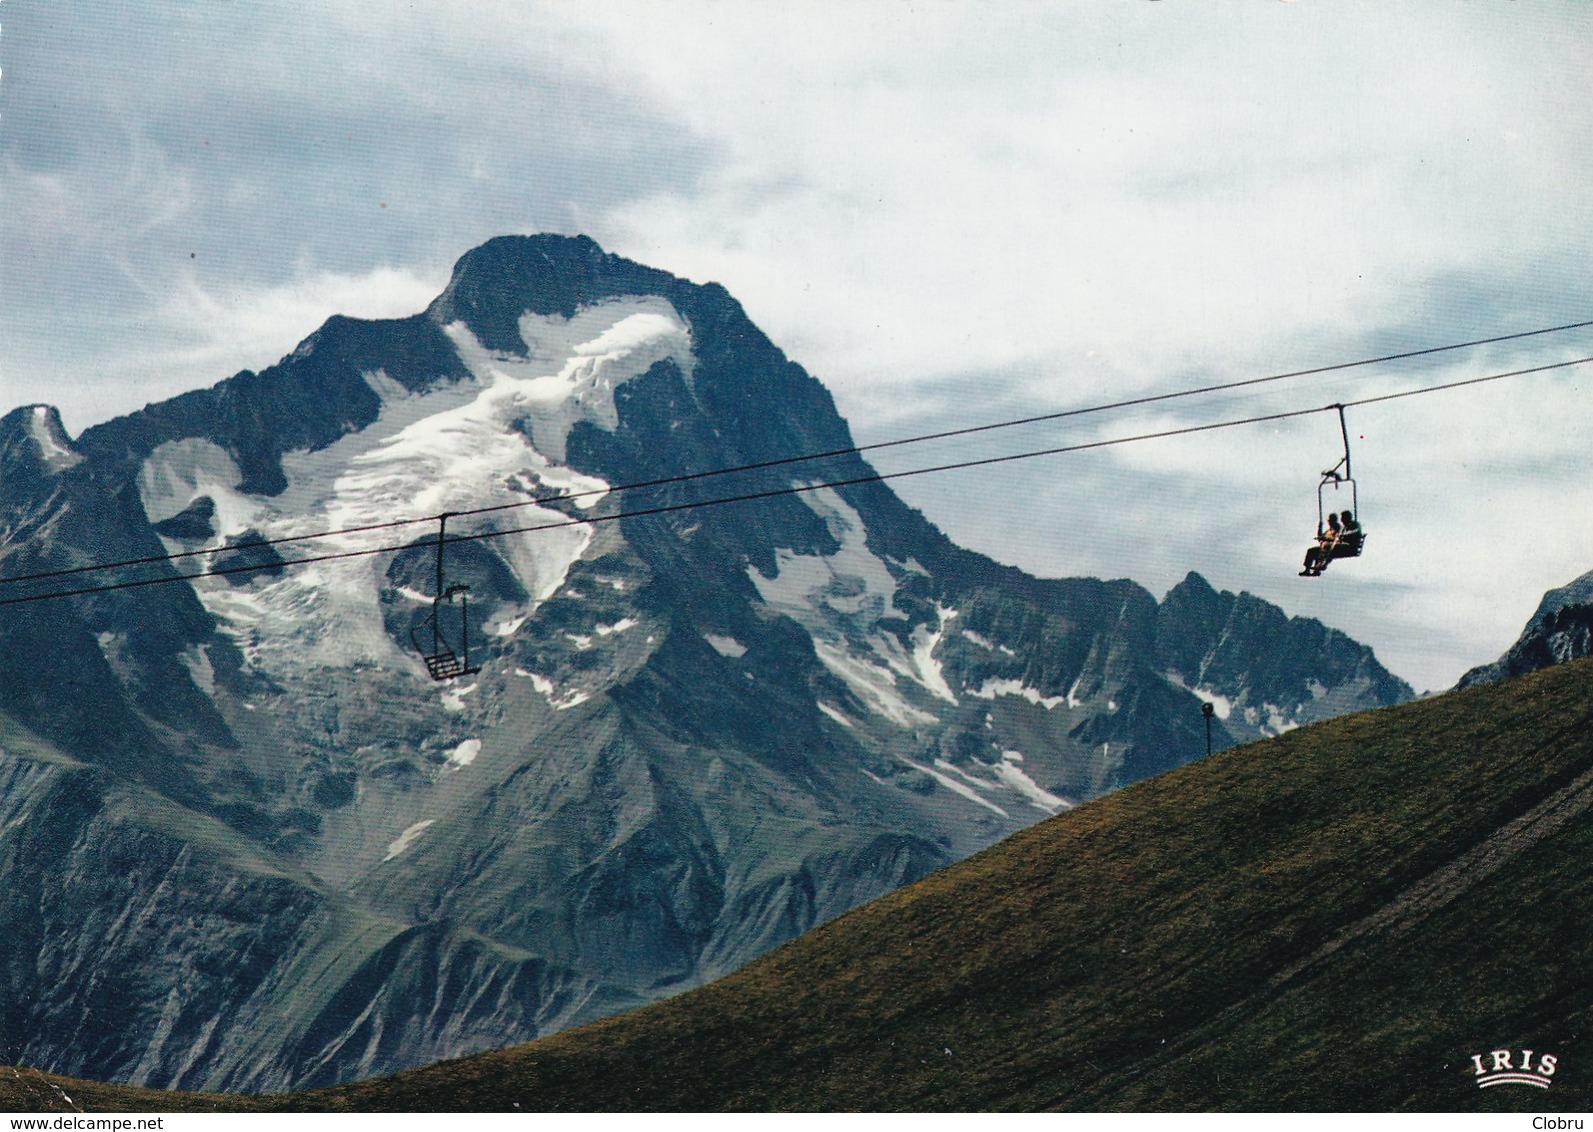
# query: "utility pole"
[[1208, 711]]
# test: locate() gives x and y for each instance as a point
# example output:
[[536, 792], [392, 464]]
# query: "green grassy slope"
[[1338, 918]]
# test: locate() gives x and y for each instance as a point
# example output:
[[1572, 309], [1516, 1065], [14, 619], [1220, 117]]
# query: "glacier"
[[260, 838]]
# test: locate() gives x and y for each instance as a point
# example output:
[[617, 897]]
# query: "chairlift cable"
[[1113, 406], [797, 489]]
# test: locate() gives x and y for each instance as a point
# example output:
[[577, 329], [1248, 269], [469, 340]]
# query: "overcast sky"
[[947, 212]]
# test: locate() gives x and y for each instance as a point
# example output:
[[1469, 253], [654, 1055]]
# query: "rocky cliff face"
[[1560, 630], [249, 844], [153, 940], [1262, 671]]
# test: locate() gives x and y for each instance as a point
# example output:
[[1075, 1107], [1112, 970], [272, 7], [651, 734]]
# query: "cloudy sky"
[[947, 211]]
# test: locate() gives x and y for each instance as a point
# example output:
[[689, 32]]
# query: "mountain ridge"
[[696, 733], [1414, 910], [1560, 629], [1260, 939]]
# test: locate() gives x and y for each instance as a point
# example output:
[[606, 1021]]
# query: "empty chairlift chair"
[[434, 644]]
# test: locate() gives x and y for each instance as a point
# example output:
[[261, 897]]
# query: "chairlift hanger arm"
[[1344, 461], [442, 535], [442, 662]]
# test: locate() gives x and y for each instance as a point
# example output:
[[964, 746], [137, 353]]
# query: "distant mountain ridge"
[[242, 813]]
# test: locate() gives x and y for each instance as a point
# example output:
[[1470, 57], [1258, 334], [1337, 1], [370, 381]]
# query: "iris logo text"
[[1514, 1067]]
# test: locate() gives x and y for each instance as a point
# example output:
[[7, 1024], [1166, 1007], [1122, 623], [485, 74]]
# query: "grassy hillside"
[[1335, 919]]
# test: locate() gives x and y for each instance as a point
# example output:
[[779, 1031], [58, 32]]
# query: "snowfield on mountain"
[[249, 844]]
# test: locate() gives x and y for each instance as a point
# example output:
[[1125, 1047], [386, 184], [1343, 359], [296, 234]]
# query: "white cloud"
[[290, 157], [196, 335], [1008, 208], [914, 192], [945, 211], [255, 322]]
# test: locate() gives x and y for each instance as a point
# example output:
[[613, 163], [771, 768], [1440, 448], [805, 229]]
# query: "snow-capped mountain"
[[239, 821]]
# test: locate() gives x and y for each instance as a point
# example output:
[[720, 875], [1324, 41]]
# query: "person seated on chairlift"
[[1316, 557], [1349, 542]]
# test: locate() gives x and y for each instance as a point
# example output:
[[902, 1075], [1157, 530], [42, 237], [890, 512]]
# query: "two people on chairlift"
[[1341, 539]]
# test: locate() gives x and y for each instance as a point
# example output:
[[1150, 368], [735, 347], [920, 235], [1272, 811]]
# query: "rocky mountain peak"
[[495, 285], [34, 441], [698, 727], [1264, 670]]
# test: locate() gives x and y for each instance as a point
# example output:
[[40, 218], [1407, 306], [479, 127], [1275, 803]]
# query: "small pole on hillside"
[[1207, 710]]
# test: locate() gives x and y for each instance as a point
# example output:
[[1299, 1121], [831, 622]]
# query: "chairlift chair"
[[442, 662], [1339, 477]]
